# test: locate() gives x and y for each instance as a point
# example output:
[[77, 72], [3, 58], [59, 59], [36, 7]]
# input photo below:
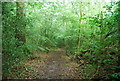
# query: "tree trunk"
[[20, 23], [79, 35], [20, 26]]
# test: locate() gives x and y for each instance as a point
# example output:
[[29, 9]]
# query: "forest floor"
[[52, 65]]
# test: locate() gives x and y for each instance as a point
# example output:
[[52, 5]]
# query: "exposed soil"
[[53, 65]]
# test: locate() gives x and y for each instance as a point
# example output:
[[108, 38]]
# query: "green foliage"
[[102, 51], [12, 53], [56, 25]]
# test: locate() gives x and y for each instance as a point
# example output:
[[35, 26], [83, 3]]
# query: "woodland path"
[[52, 65]]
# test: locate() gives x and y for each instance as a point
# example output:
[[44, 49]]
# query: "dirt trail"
[[54, 65]]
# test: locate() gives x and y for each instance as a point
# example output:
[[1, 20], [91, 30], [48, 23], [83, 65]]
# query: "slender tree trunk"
[[101, 29], [101, 34], [79, 35]]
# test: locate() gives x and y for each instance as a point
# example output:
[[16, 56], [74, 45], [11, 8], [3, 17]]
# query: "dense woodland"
[[89, 32]]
